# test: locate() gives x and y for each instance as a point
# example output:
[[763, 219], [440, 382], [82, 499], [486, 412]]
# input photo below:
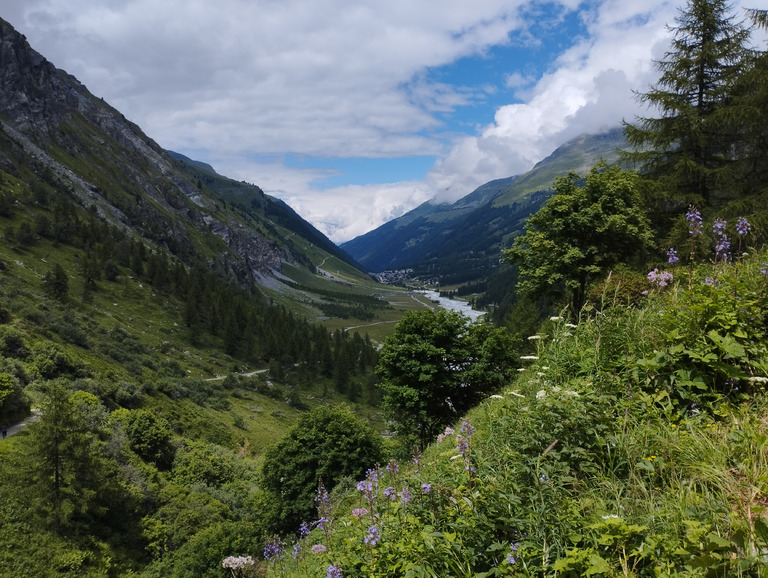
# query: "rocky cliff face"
[[50, 120]]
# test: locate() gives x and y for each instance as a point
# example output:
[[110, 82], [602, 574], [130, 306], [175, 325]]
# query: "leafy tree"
[[435, 366], [56, 282], [150, 436], [689, 146], [579, 233], [328, 443], [71, 473]]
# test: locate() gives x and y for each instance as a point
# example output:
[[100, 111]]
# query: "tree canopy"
[[435, 366], [327, 444], [690, 146], [579, 233]]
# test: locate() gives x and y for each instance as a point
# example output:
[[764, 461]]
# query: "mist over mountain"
[[462, 241]]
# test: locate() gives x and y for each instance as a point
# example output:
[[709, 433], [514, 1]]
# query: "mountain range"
[[461, 241], [56, 136]]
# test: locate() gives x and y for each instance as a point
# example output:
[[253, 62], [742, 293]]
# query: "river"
[[453, 304]]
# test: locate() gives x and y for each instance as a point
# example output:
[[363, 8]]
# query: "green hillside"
[[632, 443]]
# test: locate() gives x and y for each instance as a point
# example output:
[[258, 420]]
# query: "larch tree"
[[689, 148]]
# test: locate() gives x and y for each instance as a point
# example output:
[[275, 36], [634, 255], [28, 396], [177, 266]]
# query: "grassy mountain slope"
[[632, 444], [461, 241]]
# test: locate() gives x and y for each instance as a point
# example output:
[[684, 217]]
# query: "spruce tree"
[[689, 148]]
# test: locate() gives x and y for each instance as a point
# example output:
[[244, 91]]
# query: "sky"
[[357, 111]]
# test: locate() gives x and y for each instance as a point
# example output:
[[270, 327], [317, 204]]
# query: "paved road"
[[17, 427]]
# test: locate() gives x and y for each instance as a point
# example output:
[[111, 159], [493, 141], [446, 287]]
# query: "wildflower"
[[742, 227], [497, 397], [693, 216], [359, 512], [390, 493], [448, 432], [672, 256], [296, 550], [372, 537], [321, 522], [318, 548], [556, 318], [571, 325], [512, 557], [541, 394], [764, 269], [529, 357], [405, 494], [304, 530], [273, 549], [333, 571], [710, 281], [462, 443], [322, 499], [718, 228], [237, 562], [661, 278], [611, 517], [543, 478], [533, 337], [392, 467], [426, 488], [757, 379]]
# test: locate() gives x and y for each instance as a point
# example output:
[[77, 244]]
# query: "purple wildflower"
[[372, 537], [318, 548], [359, 512], [273, 549], [672, 256], [742, 227], [405, 494], [392, 467], [764, 269], [390, 493], [660, 278], [710, 281], [512, 556], [693, 216], [333, 571], [304, 530], [322, 499], [426, 488]]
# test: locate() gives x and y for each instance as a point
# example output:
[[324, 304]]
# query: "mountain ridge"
[[107, 164], [472, 230]]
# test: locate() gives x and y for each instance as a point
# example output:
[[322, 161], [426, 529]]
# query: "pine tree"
[[689, 148]]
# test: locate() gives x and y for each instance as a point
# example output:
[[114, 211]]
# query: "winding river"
[[453, 304]]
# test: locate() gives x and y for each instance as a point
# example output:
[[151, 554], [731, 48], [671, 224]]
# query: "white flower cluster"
[[237, 562]]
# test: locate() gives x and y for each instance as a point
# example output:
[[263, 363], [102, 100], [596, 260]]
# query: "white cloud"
[[244, 79]]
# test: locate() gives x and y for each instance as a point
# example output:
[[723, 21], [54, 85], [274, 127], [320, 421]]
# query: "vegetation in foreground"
[[633, 443]]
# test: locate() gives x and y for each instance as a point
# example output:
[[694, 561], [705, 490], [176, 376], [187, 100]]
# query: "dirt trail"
[[17, 427]]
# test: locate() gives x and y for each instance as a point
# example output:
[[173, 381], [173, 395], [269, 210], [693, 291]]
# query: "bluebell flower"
[[372, 537], [672, 256], [742, 227], [693, 216]]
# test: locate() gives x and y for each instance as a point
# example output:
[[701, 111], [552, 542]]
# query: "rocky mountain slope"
[[54, 134]]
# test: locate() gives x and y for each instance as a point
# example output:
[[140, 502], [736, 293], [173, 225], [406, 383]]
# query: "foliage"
[[585, 465], [435, 366], [689, 146], [579, 233], [326, 445]]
